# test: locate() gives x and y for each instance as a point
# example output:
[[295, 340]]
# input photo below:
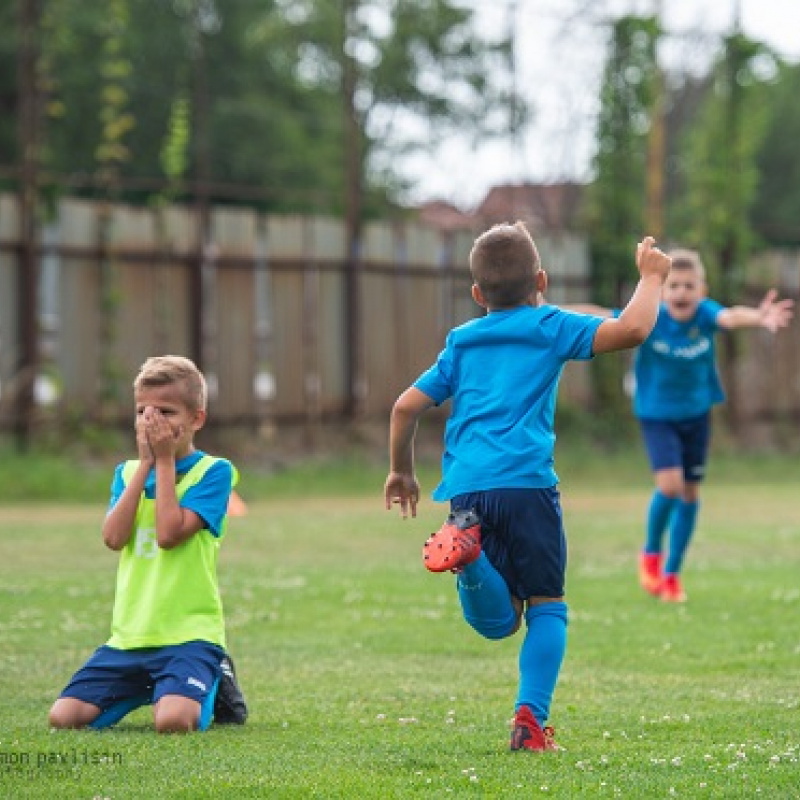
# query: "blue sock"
[[207, 708], [485, 599], [540, 657], [113, 714], [658, 516], [680, 535]]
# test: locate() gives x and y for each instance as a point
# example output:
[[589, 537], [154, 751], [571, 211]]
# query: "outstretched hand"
[[775, 314], [402, 489]]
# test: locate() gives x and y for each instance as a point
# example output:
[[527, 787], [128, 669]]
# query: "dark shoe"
[[529, 735], [456, 544], [229, 705]]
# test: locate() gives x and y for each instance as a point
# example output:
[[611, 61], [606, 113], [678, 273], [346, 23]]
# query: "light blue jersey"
[[502, 372], [675, 368]]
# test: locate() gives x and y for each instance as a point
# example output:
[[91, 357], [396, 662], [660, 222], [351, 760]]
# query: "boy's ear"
[[199, 419], [477, 296], [541, 281]]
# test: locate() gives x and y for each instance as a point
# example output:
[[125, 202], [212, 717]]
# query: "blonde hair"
[[503, 263], [168, 370], [685, 259]]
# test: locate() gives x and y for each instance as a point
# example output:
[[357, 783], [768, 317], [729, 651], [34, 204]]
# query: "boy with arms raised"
[[504, 537], [166, 518], [677, 385]]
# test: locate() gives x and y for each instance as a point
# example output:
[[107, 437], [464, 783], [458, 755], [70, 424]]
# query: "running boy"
[[166, 518], [504, 537], [676, 387]]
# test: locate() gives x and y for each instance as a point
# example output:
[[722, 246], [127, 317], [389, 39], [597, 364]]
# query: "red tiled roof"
[[554, 206], [445, 217], [543, 207]]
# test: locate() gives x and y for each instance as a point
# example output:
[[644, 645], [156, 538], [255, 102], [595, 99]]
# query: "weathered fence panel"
[[116, 286]]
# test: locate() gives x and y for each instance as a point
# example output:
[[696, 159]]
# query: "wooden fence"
[[115, 286]]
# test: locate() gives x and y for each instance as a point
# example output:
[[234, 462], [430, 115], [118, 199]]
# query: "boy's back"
[[502, 372]]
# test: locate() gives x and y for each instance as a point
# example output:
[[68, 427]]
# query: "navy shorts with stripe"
[[110, 675], [678, 443], [522, 534]]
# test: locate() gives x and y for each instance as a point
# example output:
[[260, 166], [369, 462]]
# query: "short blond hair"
[[685, 259], [503, 263], [168, 370]]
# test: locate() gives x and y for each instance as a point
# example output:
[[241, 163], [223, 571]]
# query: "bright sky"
[[560, 58]]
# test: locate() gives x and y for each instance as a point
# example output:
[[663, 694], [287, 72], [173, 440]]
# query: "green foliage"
[[617, 196], [175, 151], [721, 170], [775, 211], [363, 680], [9, 149], [263, 83]]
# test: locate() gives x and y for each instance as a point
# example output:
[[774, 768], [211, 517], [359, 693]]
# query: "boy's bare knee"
[[670, 482], [68, 712], [169, 724], [175, 714], [57, 718]]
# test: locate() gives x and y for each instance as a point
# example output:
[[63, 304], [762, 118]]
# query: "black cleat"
[[229, 705]]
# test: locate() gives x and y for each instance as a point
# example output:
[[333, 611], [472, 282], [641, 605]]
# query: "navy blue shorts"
[[110, 675], [678, 443], [522, 534]]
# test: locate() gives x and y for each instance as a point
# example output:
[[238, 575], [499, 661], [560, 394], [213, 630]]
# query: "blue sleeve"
[[436, 382], [209, 497], [117, 486], [707, 313], [575, 334]]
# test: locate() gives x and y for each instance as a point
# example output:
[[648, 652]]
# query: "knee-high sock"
[[658, 517], [540, 657], [485, 599], [683, 522]]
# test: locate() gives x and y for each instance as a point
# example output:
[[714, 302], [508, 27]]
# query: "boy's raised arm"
[[639, 316]]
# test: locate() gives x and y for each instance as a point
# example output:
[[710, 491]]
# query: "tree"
[[617, 196], [265, 83], [775, 212], [720, 167], [721, 175]]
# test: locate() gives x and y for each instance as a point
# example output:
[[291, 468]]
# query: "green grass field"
[[364, 682]]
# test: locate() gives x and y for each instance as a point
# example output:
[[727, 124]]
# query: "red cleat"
[[529, 735], [671, 589], [456, 544], [650, 577]]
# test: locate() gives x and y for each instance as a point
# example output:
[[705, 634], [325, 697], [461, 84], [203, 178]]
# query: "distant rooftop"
[[550, 207]]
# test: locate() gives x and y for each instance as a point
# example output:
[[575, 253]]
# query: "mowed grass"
[[364, 682]]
